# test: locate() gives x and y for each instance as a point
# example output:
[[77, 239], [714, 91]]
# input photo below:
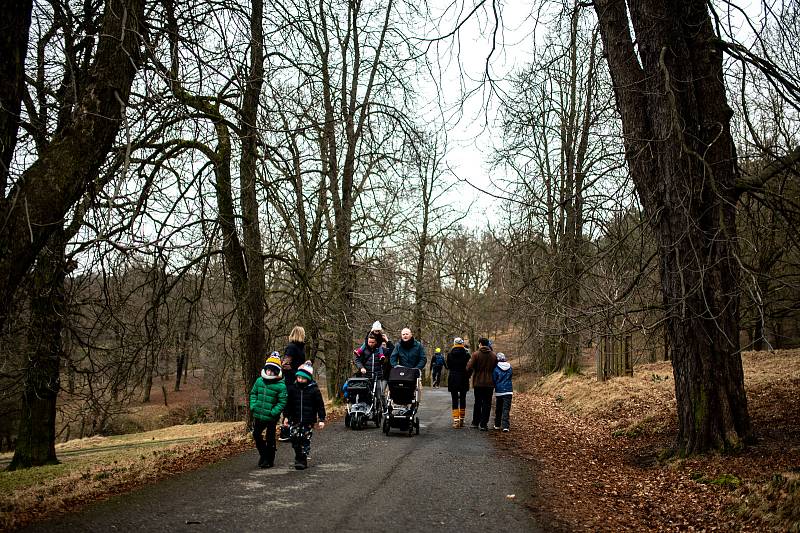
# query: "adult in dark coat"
[[481, 364], [458, 380], [384, 342], [294, 355]]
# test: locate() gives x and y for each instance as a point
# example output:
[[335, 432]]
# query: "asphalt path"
[[443, 479]]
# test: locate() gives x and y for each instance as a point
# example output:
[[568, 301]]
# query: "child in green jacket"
[[267, 400]]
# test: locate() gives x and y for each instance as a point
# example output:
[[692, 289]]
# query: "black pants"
[[459, 399], [502, 408], [483, 406], [266, 449], [301, 441], [436, 375]]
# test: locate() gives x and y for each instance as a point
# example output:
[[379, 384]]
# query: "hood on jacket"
[[503, 365], [485, 349], [271, 378]]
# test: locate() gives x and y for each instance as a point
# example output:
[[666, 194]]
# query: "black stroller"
[[364, 403], [401, 409]]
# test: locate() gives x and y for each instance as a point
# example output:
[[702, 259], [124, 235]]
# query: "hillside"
[[602, 453]]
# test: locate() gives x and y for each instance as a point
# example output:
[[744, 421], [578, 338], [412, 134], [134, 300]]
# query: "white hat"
[[376, 326]]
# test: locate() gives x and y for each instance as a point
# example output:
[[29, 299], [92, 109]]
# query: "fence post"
[[627, 352]]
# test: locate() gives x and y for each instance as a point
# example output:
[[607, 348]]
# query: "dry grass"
[[97, 467], [596, 447]]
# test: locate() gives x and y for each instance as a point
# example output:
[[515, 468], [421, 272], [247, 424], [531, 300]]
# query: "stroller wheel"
[[347, 420], [378, 420]]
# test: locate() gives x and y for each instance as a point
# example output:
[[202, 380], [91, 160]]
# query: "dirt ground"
[[599, 452]]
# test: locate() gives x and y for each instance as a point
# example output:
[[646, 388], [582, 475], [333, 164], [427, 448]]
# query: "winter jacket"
[[371, 360], [304, 404], [294, 355], [456, 362], [267, 399], [502, 379], [437, 360], [388, 348], [410, 354], [482, 365]]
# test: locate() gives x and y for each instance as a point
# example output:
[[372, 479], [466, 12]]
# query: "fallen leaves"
[[590, 480]]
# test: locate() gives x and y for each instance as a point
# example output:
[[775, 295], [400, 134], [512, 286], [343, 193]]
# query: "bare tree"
[[676, 122]]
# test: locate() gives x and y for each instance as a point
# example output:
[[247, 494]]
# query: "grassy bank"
[[599, 451]]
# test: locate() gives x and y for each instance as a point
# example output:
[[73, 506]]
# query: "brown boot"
[[462, 413], [456, 419]]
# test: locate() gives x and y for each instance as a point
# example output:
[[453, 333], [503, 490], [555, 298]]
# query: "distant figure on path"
[[503, 392], [458, 380], [267, 400], [304, 405], [437, 363], [482, 365]]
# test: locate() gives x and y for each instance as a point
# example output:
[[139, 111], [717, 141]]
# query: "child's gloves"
[[321, 424]]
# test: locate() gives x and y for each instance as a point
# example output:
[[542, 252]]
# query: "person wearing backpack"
[[267, 400], [437, 363]]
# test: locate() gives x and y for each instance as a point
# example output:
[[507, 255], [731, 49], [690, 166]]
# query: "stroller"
[[363, 403], [401, 409]]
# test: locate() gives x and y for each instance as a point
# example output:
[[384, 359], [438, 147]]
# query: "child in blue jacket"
[[503, 392]]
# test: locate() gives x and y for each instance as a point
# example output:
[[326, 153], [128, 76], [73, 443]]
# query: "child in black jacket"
[[303, 406]]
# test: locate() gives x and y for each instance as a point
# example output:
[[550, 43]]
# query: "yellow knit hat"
[[274, 359]]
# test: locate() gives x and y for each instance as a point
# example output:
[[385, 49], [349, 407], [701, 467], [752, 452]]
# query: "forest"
[[184, 182]]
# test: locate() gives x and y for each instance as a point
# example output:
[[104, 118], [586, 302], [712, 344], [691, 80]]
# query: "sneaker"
[[505, 430], [474, 426], [484, 428], [495, 427]]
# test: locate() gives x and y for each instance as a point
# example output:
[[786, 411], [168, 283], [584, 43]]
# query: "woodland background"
[[186, 181]]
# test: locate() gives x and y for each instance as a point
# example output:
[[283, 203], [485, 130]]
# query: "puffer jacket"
[[482, 365], [456, 363], [502, 379], [267, 399], [371, 360], [305, 404], [410, 354]]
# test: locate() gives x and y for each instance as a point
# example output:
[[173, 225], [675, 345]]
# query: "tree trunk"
[[15, 22], [676, 122], [251, 320], [37, 428]]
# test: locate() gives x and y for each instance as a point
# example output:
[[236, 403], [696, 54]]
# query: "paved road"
[[442, 479]]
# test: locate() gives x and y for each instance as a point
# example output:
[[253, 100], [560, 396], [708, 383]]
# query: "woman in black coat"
[[458, 380], [294, 355]]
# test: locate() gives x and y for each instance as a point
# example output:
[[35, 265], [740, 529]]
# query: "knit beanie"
[[501, 356], [376, 326], [458, 341], [273, 363], [306, 371]]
